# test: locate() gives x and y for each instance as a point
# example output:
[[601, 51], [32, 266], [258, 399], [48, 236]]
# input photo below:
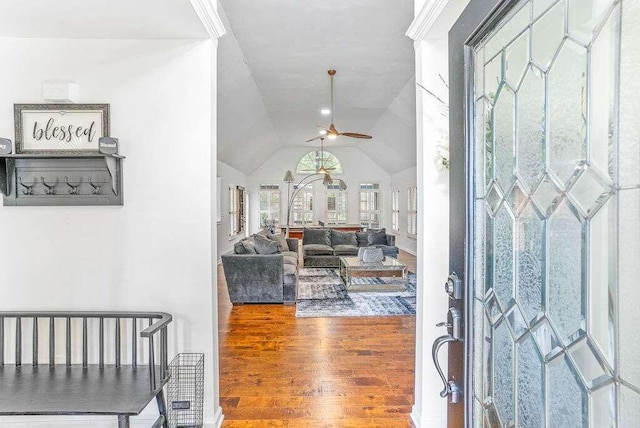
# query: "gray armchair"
[[262, 278]]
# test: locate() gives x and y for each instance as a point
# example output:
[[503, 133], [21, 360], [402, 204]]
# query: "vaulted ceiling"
[[273, 82]]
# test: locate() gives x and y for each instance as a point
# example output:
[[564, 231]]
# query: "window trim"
[[333, 188], [395, 210], [272, 213], [377, 189], [236, 211], [412, 212], [329, 160], [307, 189]]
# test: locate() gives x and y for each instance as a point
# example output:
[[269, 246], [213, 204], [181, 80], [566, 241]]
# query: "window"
[[370, 205], [395, 210], [269, 205], [302, 212], [236, 210], [412, 209], [336, 205], [311, 162]]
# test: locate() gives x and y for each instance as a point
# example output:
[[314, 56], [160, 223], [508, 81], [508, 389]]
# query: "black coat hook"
[[27, 189], [96, 189], [73, 188], [50, 188]]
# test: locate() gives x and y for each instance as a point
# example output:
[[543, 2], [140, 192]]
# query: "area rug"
[[321, 293]]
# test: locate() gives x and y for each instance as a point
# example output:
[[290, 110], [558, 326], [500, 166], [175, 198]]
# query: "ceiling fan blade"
[[356, 135], [315, 138], [323, 170], [332, 132]]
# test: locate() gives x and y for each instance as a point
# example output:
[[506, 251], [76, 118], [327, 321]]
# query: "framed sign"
[[60, 128]]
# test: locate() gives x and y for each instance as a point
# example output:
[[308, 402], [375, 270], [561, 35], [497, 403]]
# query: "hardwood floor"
[[277, 370]]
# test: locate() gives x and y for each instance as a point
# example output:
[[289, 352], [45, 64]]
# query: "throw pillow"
[[249, 246], [265, 246], [316, 236], [281, 240], [383, 230], [238, 248], [343, 238], [378, 238], [363, 239]]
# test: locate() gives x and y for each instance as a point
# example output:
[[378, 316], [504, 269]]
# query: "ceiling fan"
[[332, 132], [320, 158]]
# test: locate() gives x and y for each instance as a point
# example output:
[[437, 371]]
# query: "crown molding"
[[209, 18], [426, 18]]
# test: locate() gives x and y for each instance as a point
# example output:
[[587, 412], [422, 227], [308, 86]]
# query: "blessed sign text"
[[64, 129]]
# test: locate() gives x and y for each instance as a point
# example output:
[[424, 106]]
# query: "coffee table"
[[352, 267]]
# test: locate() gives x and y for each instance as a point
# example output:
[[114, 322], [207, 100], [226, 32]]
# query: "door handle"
[[454, 334], [434, 354], [450, 386]]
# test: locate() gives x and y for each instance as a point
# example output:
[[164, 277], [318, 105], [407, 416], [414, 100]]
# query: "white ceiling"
[[272, 78], [100, 19], [271, 66]]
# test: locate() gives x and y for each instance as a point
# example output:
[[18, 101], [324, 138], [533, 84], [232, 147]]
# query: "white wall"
[[155, 252], [357, 166], [214, 416], [430, 410], [402, 181], [230, 177], [433, 238]]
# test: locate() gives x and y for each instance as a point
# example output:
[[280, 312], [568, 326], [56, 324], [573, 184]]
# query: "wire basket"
[[185, 391]]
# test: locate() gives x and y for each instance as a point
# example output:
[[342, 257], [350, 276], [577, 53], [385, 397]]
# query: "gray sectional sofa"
[[323, 247], [262, 269]]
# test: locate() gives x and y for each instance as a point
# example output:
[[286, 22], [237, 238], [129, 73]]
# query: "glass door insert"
[[556, 216]]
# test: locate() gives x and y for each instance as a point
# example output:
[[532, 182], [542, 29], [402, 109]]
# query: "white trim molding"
[[417, 421], [218, 418], [415, 418], [412, 252], [425, 19], [209, 17]]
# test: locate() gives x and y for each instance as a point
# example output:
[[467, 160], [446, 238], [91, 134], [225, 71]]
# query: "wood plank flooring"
[[277, 370]]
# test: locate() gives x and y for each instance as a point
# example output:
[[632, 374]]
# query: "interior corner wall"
[[215, 417], [155, 252], [430, 410], [231, 177], [402, 181]]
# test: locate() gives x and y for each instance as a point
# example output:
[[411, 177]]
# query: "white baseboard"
[[218, 418], [418, 421], [412, 252]]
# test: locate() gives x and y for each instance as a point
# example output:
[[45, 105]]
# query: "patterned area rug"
[[321, 293]]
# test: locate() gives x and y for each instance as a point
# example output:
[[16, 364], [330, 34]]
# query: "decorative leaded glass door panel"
[[556, 229]]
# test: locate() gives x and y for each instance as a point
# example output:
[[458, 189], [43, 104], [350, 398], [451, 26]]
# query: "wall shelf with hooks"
[[61, 179]]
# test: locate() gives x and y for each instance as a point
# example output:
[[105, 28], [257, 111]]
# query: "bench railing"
[[158, 322]]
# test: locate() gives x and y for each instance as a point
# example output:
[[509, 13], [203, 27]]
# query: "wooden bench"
[[84, 388]]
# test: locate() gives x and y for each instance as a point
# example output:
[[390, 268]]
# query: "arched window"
[[312, 161]]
